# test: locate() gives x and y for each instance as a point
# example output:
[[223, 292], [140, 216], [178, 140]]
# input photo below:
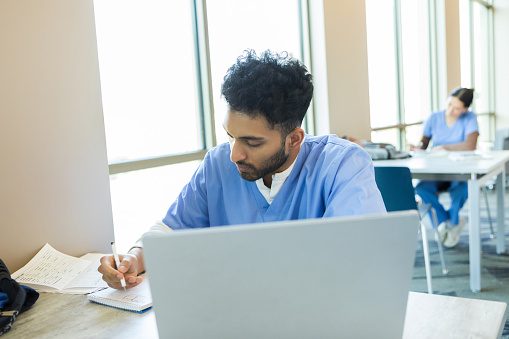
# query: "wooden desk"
[[475, 171], [72, 316], [64, 316]]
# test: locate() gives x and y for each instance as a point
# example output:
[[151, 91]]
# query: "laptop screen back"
[[331, 277]]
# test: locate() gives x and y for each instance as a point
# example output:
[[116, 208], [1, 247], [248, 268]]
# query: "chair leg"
[[440, 249], [492, 234], [426, 258]]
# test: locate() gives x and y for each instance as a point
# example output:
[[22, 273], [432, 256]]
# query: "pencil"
[[117, 262]]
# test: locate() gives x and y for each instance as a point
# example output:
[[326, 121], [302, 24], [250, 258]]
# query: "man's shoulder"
[[327, 143], [329, 147], [217, 156], [329, 159], [221, 149], [331, 140]]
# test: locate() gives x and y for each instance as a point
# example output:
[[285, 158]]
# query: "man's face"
[[256, 149]]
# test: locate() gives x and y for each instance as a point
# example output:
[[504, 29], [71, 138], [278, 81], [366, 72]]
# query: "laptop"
[[343, 277]]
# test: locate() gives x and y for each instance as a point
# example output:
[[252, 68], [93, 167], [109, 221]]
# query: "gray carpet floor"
[[494, 270]]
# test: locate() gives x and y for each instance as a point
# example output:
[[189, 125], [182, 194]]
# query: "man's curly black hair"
[[275, 86]]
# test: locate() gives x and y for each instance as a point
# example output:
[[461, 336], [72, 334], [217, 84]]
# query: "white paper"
[[51, 270], [429, 154], [90, 277], [468, 155]]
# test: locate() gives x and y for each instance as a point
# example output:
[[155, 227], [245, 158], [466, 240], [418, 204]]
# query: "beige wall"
[[340, 67], [452, 38], [54, 175]]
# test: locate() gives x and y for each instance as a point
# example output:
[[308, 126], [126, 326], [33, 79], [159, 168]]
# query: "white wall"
[[54, 175], [501, 46], [340, 67]]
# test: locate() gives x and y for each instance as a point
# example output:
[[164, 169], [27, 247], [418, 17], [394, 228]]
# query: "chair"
[[395, 185], [501, 143]]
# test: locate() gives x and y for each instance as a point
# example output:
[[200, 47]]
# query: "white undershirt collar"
[[278, 179]]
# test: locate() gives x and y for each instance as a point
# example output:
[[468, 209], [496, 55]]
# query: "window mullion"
[[491, 61], [305, 55], [148, 163], [399, 69], [204, 82], [433, 55]]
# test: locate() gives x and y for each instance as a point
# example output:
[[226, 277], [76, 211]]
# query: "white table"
[[439, 316], [476, 171]]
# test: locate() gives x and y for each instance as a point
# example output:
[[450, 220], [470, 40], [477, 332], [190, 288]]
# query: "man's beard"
[[267, 167]]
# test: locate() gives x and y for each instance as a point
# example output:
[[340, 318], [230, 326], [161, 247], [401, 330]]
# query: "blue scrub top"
[[436, 128], [331, 177]]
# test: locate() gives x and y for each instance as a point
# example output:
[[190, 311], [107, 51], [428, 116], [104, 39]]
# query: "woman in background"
[[452, 129]]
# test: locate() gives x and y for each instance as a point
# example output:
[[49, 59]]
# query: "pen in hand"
[[117, 262]]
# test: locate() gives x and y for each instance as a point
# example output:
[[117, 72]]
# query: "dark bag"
[[14, 299], [381, 151]]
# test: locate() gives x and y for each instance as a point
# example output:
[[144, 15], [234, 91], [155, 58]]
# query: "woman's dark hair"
[[275, 86], [466, 95]]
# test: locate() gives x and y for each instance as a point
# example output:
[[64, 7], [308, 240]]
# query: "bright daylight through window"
[[151, 95]]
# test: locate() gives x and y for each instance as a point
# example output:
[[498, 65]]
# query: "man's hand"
[[129, 269]]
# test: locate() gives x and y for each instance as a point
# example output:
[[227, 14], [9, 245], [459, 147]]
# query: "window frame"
[[204, 92], [402, 125], [205, 96]]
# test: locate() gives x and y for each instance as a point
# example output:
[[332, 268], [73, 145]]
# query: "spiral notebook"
[[136, 299]]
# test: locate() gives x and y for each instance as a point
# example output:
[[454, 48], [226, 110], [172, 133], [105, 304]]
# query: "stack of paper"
[[429, 154], [468, 155], [53, 271]]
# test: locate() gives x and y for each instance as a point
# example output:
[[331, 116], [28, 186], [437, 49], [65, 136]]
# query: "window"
[[145, 84], [148, 79], [383, 86], [154, 58], [398, 69], [237, 25], [476, 23], [416, 63]]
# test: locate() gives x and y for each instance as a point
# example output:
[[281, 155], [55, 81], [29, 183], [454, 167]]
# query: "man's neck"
[[267, 180]]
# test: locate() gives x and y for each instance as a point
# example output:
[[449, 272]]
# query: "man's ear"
[[295, 137]]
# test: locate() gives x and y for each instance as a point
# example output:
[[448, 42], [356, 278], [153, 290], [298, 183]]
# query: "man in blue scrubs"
[[270, 170]]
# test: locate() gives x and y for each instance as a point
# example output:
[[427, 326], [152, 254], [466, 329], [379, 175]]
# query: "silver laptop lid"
[[316, 278]]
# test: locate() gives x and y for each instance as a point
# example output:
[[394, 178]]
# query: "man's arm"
[[158, 228], [188, 210]]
